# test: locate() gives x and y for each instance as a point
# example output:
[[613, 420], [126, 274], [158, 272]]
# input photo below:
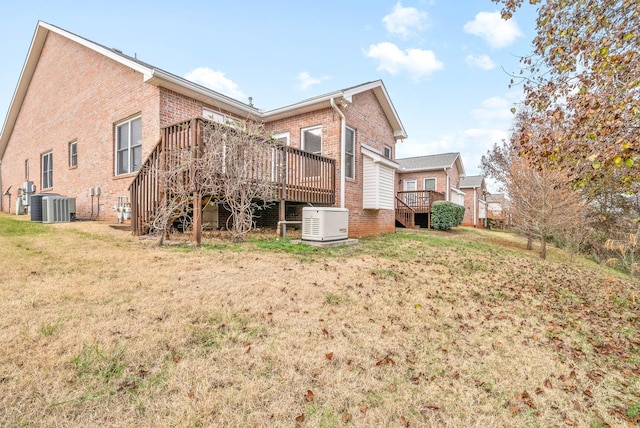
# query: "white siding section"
[[369, 179], [377, 185]]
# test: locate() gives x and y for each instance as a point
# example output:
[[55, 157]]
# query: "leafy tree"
[[584, 73]]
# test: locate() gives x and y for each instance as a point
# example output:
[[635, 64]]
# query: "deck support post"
[[197, 218], [282, 216]]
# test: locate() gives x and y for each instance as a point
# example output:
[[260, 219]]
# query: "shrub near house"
[[445, 215]]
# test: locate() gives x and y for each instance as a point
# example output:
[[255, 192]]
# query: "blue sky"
[[444, 62]]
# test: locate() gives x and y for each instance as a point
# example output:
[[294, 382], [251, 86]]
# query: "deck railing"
[[294, 174], [405, 215], [420, 200]]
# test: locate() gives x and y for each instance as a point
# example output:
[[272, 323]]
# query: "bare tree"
[[248, 162], [543, 201], [234, 163]]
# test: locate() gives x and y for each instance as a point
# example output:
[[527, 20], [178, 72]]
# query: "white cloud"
[[417, 62], [307, 81], [215, 80], [486, 125], [481, 61], [496, 31], [405, 21], [494, 110]]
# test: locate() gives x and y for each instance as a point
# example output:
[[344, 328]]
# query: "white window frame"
[[26, 169], [302, 138], [224, 119], [387, 152], [410, 198], [276, 164], [47, 170], [435, 183], [73, 154], [350, 158], [282, 137], [130, 167]]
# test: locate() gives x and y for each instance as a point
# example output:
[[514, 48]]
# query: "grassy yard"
[[417, 328]]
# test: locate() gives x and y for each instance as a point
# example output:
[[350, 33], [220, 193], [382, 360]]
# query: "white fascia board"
[[306, 106], [385, 101], [377, 156], [183, 86]]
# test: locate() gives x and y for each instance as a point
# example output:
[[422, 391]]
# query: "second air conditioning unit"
[[325, 224], [58, 209]]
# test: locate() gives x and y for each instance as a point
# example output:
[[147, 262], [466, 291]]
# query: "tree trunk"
[[529, 242], [543, 247]]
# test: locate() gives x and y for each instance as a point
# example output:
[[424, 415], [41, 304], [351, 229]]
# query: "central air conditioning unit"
[[325, 224], [58, 209]]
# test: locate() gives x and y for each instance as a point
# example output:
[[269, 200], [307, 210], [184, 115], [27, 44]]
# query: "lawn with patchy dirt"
[[416, 328]]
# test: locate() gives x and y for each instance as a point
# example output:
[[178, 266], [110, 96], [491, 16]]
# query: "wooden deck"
[[295, 175], [414, 204]]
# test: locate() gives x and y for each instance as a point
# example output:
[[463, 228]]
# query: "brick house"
[[423, 180], [475, 190], [84, 118]]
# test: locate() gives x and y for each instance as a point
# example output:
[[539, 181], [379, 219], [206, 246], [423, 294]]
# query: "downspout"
[[475, 206], [342, 149], [448, 183]]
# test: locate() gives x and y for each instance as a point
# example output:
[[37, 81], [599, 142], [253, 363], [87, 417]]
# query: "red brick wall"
[[419, 176], [78, 94], [366, 117]]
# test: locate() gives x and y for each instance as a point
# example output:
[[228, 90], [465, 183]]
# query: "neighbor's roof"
[[496, 198], [431, 162], [472, 182], [159, 77]]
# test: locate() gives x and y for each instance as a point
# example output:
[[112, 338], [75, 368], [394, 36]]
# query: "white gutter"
[[446, 172], [475, 202], [342, 150]]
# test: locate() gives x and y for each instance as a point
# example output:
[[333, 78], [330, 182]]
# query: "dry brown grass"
[[98, 328]]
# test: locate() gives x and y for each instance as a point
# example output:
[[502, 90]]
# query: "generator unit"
[[325, 224]]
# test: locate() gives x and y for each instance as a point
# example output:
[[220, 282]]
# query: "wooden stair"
[[405, 215]]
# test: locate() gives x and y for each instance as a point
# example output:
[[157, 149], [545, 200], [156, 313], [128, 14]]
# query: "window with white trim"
[[312, 140], [47, 170], [224, 119], [73, 154], [349, 150], [430, 184], [282, 138], [26, 169], [387, 152], [129, 146]]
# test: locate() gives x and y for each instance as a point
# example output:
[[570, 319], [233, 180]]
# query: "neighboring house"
[[84, 118], [498, 210], [423, 180], [475, 190]]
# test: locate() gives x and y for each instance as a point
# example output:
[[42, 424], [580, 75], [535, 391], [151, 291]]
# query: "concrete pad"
[[328, 244]]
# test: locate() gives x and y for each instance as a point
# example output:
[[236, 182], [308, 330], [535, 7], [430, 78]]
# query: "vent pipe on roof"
[[342, 149]]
